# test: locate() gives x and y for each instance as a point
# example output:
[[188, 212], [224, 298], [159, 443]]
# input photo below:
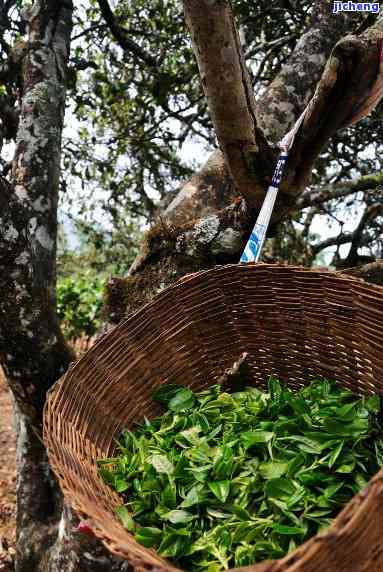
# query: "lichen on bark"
[[291, 90], [171, 251]]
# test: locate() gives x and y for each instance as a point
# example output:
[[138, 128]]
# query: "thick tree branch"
[[369, 272], [209, 190], [228, 90], [291, 90], [322, 195], [311, 52], [370, 214], [343, 238], [345, 84]]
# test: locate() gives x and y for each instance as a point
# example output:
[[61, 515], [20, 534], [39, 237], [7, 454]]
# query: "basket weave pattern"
[[295, 323]]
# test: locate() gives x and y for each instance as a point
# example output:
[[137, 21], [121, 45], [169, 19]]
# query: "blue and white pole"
[[255, 243]]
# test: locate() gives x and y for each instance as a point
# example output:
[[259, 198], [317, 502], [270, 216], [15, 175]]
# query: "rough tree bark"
[[276, 112], [230, 97], [33, 353], [372, 272]]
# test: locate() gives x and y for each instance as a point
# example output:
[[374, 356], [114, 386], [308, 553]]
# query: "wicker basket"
[[295, 323]]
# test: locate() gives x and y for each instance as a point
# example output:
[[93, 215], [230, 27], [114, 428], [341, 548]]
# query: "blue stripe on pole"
[[253, 244], [252, 249], [277, 177]]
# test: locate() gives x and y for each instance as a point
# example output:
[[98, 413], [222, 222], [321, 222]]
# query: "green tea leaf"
[[161, 464], [189, 436], [288, 530], [250, 438], [331, 490], [346, 467], [200, 474], [166, 392], [223, 462], [182, 400], [169, 496], [315, 514], [121, 485], [126, 519], [196, 495], [225, 480], [275, 390], [201, 454], [295, 463], [279, 488], [273, 469], [304, 443], [178, 516], [107, 475], [218, 513], [345, 429], [379, 453], [220, 489], [173, 545], [373, 403], [148, 536], [335, 454]]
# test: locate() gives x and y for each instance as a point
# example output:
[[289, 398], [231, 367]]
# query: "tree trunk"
[[212, 188], [33, 352]]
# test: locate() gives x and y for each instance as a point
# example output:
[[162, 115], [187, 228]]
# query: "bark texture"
[[170, 251], [372, 272], [209, 190], [291, 90], [346, 81], [230, 96], [32, 350], [366, 183], [176, 246]]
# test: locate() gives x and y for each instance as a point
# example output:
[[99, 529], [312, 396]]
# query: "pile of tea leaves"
[[226, 480]]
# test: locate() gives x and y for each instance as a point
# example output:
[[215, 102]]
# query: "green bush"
[[79, 303]]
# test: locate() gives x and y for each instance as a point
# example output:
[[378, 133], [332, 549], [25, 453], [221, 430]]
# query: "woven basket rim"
[[191, 277]]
